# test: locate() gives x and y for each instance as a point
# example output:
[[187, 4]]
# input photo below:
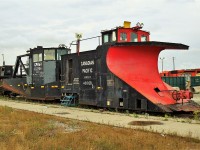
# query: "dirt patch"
[[145, 123], [68, 128], [54, 106], [196, 98], [62, 113]]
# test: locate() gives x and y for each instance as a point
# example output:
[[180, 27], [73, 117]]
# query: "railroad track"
[[57, 103]]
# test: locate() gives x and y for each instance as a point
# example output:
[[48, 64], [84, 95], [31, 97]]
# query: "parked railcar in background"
[[183, 79], [6, 72], [181, 73]]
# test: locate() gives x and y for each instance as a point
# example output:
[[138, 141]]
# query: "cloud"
[[180, 1], [26, 24]]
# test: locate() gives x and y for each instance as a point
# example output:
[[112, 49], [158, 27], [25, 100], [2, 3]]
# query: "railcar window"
[[114, 36], [123, 36], [37, 57], [143, 38], [61, 52], [134, 37], [106, 38], [49, 54]]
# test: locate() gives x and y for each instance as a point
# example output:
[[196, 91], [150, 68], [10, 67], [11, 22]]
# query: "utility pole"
[[162, 62], [3, 60], [78, 37], [173, 63]]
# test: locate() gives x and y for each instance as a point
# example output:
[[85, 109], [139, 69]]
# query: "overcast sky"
[[29, 23]]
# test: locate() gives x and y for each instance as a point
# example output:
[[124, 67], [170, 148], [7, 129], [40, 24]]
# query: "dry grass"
[[23, 130]]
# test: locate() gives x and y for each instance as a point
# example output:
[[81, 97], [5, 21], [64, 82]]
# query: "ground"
[[164, 125], [21, 130], [196, 98]]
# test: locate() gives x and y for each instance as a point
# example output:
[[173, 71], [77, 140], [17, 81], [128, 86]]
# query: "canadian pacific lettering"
[[87, 63], [87, 77], [87, 70], [88, 83]]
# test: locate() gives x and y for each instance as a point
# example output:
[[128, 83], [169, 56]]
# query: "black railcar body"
[[39, 79], [111, 76], [87, 76]]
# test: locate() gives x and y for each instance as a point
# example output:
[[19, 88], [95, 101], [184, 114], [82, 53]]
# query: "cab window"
[[143, 38], [134, 37], [49, 54], [61, 52], [123, 36], [37, 57], [114, 38], [106, 38]]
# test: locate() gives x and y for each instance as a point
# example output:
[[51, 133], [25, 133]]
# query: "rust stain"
[[6, 86]]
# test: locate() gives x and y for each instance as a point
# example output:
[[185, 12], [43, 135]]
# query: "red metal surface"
[[138, 67]]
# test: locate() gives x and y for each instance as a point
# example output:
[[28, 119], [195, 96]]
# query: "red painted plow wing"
[[137, 65]]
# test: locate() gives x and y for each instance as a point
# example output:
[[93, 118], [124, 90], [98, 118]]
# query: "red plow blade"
[[137, 65]]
